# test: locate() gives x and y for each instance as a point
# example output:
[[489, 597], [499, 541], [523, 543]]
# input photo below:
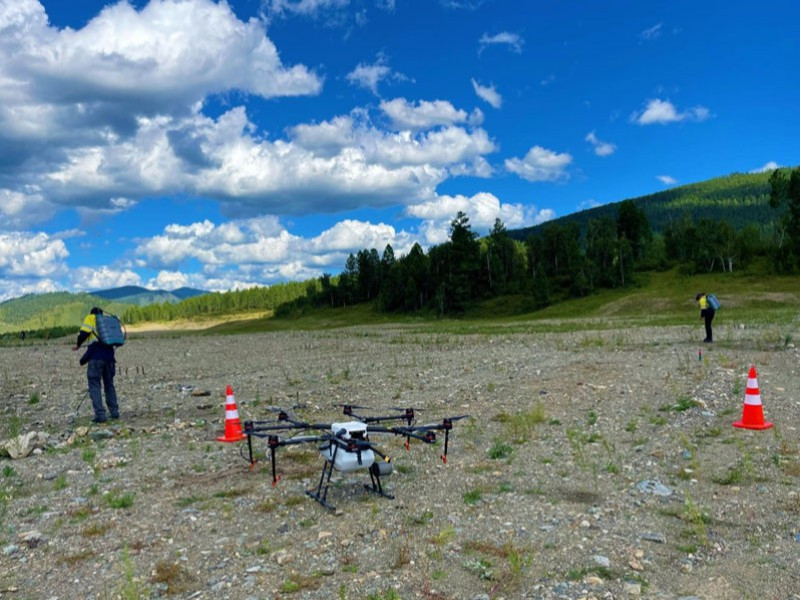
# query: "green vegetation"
[[119, 501], [500, 449], [50, 315], [740, 198], [640, 259]]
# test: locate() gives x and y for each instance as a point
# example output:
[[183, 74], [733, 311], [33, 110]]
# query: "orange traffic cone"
[[753, 414], [233, 428]]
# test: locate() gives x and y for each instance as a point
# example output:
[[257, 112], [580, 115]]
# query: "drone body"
[[346, 446], [343, 459]]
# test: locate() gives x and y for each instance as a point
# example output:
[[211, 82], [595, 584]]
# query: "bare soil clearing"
[[597, 464]]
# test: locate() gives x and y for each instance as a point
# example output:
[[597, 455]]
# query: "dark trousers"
[[97, 371], [708, 316]]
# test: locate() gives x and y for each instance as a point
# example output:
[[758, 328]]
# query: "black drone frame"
[[334, 442]]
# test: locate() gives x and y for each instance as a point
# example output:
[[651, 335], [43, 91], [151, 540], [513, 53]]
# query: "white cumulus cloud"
[[663, 112], [667, 179], [423, 114], [103, 277], [24, 254], [257, 250], [540, 164], [482, 209]]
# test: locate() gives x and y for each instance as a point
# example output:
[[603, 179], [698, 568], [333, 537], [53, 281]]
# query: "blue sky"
[[222, 145]]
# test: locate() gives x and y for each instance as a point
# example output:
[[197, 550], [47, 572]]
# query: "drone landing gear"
[[375, 472], [320, 494]]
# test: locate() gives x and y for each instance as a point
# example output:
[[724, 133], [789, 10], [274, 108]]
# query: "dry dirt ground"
[[595, 464]]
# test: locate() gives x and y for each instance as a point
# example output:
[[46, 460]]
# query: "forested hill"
[[55, 309], [740, 199]]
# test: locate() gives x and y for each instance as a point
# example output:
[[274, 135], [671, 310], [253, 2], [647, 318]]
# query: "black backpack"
[[109, 330]]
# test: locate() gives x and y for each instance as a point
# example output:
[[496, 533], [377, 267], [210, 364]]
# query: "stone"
[[603, 561], [22, 445], [649, 486]]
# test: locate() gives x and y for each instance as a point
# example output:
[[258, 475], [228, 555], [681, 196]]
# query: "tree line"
[[558, 260], [221, 303]]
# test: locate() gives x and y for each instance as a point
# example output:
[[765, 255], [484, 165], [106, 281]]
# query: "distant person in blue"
[[707, 313], [102, 366]]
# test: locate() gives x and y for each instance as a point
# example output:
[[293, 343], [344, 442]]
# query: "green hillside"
[[741, 199], [55, 309]]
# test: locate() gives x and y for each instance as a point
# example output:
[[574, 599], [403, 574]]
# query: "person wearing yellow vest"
[[102, 366], [707, 313]]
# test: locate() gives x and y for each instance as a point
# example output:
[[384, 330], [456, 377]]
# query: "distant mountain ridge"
[[141, 296]]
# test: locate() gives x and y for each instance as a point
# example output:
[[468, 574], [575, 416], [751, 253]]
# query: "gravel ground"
[[597, 464]]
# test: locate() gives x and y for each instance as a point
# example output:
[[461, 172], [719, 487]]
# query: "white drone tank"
[[345, 461]]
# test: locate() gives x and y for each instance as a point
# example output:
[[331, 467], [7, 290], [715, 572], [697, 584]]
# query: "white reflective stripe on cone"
[[753, 400], [231, 414]]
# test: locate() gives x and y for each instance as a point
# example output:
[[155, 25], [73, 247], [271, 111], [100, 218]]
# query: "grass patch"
[[96, 530], [174, 575], [188, 501], [683, 403], [472, 496], [423, 519], [388, 594], [443, 537], [119, 501], [521, 426], [298, 582], [233, 493], [500, 450]]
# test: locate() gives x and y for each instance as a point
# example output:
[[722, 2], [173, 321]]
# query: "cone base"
[[241, 437], [743, 425]]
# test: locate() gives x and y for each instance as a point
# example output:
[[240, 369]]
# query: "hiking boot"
[[115, 417]]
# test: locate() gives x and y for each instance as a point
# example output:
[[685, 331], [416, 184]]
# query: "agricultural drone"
[[345, 446]]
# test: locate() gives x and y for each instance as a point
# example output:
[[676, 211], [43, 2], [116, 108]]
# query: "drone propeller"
[[429, 435], [347, 406]]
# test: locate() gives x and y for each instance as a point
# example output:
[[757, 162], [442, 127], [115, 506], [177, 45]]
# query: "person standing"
[[707, 314], [102, 366]]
